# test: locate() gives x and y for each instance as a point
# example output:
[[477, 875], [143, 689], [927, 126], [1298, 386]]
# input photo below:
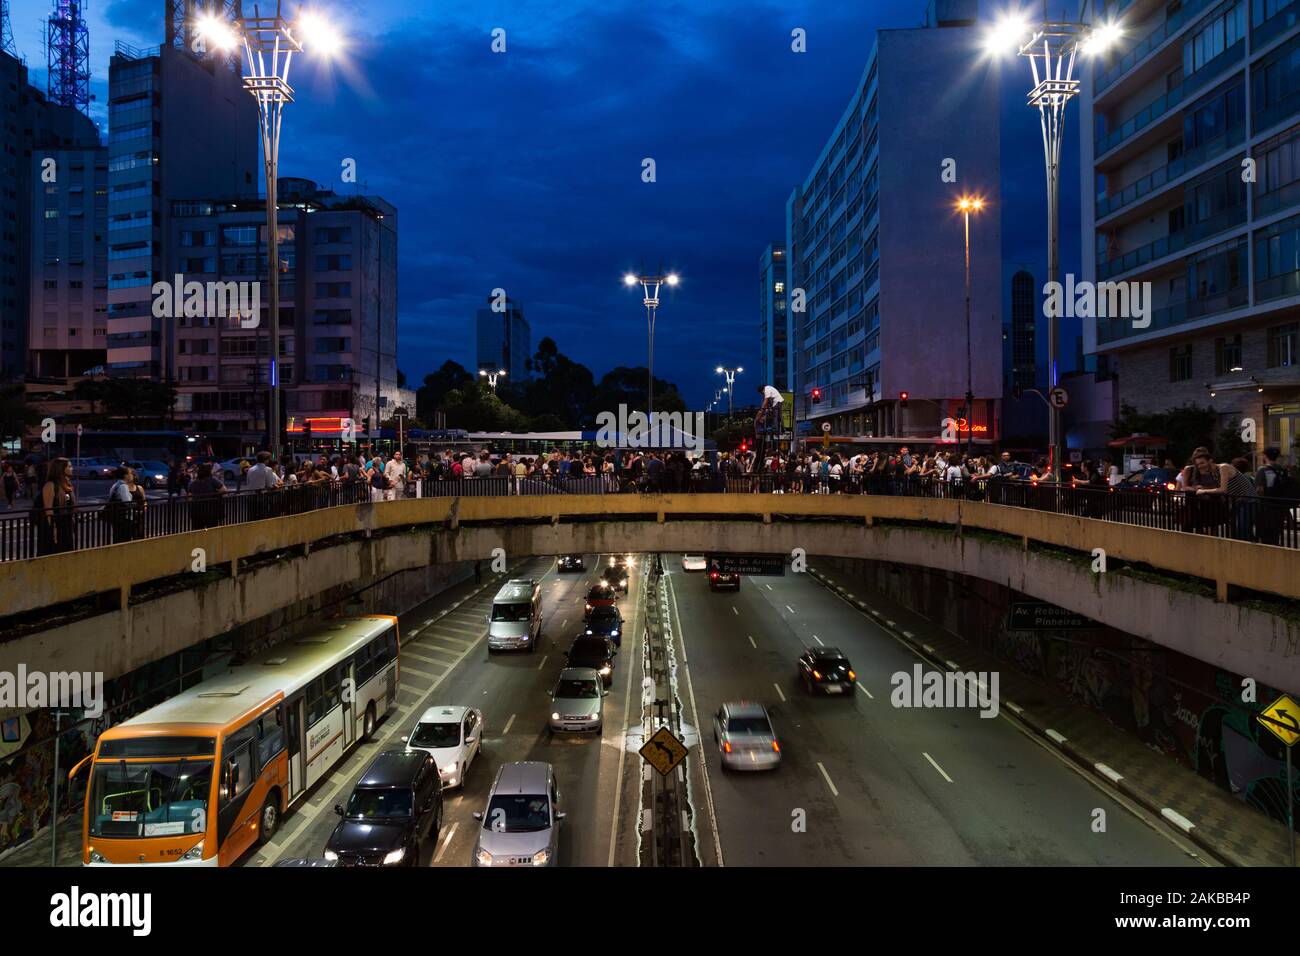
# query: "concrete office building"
[[875, 246], [30, 122], [776, 364], [504, 340], [1193, 92], [181, 125], [68, 319], [338, 312]]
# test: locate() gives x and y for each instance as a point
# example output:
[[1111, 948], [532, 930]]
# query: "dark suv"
[[824, 670], [395, 805]]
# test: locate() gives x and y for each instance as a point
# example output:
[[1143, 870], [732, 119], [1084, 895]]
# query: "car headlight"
[[331, 856], [588, 630], [483, 857], [541, 857], [623, 583], [395, 856], [605, 671], [555, 716], [193, 853], [614, 633], [450, 768]]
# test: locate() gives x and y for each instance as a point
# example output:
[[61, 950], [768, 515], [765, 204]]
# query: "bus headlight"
[[395, 856], [331, 856], [193, 853]]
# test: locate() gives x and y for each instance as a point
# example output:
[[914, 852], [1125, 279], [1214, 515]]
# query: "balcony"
[[1274, 26], [1278, 287], [1159, 178], [1177, 313], [1150, 42], [1140, 120]]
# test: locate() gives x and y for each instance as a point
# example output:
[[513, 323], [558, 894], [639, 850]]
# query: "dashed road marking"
[[830, 783], [446, 841], [936, 766], [751, 642], [865, 691], [779, 693], [506, 729]]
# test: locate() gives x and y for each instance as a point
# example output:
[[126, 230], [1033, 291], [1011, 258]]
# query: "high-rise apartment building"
[[338, 311], [776, 364], [181, 125], [1191, 172], [504, 339], [874, 244]]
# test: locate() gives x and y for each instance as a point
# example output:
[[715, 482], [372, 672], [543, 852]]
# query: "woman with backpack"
[[54, 509]]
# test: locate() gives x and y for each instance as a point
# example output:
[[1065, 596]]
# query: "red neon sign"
[[319, 426]]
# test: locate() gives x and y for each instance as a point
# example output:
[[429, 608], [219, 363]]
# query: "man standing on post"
[[395, 472]]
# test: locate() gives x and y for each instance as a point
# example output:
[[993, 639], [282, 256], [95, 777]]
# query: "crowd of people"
[[1219, 497]]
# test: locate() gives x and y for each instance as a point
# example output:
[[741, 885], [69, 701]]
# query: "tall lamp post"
[[966, 205], [731, 374], [1051, 46], [269, 45], [650, 286], [492, 376]]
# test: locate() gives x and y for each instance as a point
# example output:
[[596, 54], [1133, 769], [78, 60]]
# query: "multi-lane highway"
[[861, 783]]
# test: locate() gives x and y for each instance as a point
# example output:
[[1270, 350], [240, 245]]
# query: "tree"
[[561, 387], [1187, 428], [401, 379], [130, 398], [627, 386], [430, 396], [15, 413], [475, 407], [728, 435]]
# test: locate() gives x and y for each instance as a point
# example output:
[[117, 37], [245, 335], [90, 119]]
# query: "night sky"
[[522, 170]]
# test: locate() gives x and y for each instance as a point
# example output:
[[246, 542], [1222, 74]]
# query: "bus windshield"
[[163, 798]]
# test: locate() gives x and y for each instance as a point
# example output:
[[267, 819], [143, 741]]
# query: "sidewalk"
[[1214, 819]]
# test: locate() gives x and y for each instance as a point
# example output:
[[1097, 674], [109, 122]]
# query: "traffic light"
[[365, 425], [902, 399], [816, 395]]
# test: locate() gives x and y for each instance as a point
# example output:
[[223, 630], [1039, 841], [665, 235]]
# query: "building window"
[[1282, 342], [1180, 363], [333, 263], [1227, 354], [1215, 36], [333, 290]]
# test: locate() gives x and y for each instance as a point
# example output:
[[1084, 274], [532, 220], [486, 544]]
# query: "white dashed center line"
[[506, 729], [936, 766], [543, 663], [829, 782], [446, 841], [778, 692], [751, 642], [865, 691]]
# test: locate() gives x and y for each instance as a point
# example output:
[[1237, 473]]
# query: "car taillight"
[[726, 746], [776, 748], [715, 575], [852, 676], [817, 674], [1170, 486]]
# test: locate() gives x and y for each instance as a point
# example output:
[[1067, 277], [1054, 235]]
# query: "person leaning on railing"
[[205, 499], [54, 509]]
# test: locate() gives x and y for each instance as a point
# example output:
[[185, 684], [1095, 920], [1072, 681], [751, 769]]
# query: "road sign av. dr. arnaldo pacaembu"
[[1282, 717], [664, 751], [769, 565]]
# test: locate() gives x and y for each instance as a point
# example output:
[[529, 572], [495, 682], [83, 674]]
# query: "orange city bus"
[[203, 776]]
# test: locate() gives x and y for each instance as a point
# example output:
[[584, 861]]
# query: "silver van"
[[521, 825], [515, 621]]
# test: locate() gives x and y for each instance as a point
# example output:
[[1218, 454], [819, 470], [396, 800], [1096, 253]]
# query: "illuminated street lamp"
[[269, 45], [650, 286], [492, 376], [730, 373], [966, 205], [1052, 47]]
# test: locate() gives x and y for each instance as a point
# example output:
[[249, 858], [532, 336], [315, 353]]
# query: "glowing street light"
[[269, 45], [730, 374], [650, 286], [492, 376], [1052, 47]]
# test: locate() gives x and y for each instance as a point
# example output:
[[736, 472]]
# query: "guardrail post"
[[1221, 591]]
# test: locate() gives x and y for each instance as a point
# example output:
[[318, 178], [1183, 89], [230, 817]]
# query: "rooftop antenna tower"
[[67, 56], [6, 32]]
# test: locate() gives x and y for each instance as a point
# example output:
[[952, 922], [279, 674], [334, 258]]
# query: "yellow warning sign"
[[1282, 717], [664, 751]]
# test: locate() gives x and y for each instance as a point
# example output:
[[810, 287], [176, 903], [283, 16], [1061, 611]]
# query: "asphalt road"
[[872, 784], [446, 663], [861, 783]]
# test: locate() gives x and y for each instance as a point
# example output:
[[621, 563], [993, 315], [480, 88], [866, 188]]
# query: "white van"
[[515, 622]]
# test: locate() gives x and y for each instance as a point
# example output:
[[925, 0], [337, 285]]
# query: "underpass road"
[[513, 692], [865, 783]]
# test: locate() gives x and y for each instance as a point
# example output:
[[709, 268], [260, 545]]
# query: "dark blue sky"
[[522, 170]]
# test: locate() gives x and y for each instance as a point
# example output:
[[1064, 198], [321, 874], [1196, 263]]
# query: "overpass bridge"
[[1234, 604]]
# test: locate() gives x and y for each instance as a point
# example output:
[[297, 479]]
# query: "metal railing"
[[25, 534]]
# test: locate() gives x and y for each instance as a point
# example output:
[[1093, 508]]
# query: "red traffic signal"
[[816, 394], [902, 399]]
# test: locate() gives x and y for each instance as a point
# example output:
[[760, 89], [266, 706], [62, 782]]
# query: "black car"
[[723, 579], [605, 621], [600, 595], [594, 652], [395, 805], [825, 670], [615, 577], [572, 562]]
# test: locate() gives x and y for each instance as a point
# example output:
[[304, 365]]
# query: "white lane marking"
[[778, 692], [543, 663], [936, 766], [952, 665], [622, 750], [908, 634], [1109, 774], [695, 714], [865, 691], [564, 623], [406, 666], [818, 640], [889, 623], [1054, 736], [829, 783], [506, 729], [415, 631], [928, 648], [873, 610], [1014, 708], [768, 586], [751, 642], [427, 623], [446, 841], [1177, 819], [789, 608]]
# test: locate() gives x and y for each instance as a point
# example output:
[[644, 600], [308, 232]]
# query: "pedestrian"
[[53, 508], [1277, 487], [395, 475], [10, 481], [205, 499], [478, 572], [1230, 489]]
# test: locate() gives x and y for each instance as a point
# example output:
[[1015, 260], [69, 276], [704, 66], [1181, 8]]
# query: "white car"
[[230, 467], [454, 736], [693, 562]]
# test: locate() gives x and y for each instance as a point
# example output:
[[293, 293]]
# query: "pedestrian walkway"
[[1231, 831]]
